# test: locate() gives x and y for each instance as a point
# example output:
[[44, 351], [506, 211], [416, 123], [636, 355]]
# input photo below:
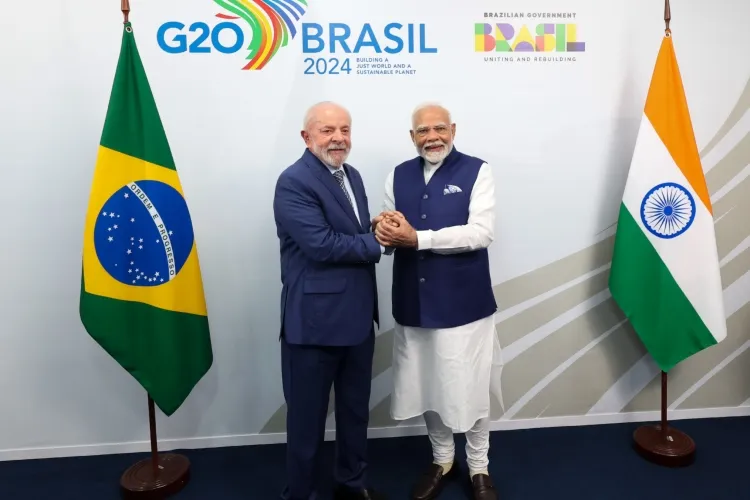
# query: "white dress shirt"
[[477, 233]]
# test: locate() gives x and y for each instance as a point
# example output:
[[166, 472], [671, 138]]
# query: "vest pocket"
[[451, 209]]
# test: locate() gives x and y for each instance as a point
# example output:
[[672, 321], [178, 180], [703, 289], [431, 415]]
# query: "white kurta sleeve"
[[478, 232]]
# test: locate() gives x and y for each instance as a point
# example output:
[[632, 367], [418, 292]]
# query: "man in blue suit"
[[328, 305]]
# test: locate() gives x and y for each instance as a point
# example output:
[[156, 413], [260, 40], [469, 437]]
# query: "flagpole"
[[125, 8], [152, 432], [155, 477], [662, 444]]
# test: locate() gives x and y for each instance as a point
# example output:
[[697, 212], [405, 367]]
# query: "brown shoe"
[[483, 487], [431, 483]]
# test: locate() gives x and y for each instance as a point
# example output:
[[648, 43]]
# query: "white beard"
[[327, 158], [435, 157]]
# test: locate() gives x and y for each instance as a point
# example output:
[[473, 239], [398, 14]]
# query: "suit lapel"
[[359, 189], [325, 176]]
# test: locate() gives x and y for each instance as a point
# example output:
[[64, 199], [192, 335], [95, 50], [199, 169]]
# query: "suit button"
[[425, 196], [421, 280], [421, 257], [424, 216]]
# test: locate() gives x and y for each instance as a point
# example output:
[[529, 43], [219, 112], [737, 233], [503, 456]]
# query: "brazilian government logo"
[[143, 235], [668, 210]]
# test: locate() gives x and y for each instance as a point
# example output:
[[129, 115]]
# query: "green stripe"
[[648, 294], [133, 125], [166, 352]]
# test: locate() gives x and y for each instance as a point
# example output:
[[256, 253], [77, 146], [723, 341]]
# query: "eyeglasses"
[[439, 129]]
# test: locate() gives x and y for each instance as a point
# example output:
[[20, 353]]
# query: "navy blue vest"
[[431, 290]]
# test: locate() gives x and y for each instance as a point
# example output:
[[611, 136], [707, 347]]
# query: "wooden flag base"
[[156, 477], [661, 444], [672, 448], [139, 482]]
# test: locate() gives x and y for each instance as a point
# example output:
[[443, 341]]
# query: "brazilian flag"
[[142, 295]]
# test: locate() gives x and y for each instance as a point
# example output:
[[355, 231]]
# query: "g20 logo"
[[257, 28], [204, 38], [262, 41]]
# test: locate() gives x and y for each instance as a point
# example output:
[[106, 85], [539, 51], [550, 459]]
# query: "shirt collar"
[[334, 170], [432, 166]]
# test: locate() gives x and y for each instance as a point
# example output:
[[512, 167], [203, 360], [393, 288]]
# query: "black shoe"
[[431, 483], [344, 493], [483, 487]]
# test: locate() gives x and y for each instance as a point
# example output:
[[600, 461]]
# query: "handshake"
[[393, 230]]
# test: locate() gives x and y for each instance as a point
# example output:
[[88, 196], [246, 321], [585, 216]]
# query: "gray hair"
[[312, 109], [428, 105]]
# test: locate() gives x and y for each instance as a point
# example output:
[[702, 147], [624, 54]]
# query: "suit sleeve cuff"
[[374, 248]]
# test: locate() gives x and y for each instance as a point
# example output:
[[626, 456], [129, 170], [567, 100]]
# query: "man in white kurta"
[[445, 374]]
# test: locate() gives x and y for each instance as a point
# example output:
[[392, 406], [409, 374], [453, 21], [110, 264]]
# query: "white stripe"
[[527, 304], [416, 428], [551, 376], [644, 370], [160, 227], [511, 351], [736, 295], [705, 378], [728, 142], [691, 257], [744, 245], [733, 183], [627, 387]]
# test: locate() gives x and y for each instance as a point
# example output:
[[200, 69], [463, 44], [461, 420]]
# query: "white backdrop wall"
[[558, 134]]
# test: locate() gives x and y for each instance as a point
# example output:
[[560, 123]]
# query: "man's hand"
[[390, 217], [396, 232]]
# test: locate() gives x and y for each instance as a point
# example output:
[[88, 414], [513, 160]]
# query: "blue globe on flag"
[[143, 234]]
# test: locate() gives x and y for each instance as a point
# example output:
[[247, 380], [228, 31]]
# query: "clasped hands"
[[393, 230]]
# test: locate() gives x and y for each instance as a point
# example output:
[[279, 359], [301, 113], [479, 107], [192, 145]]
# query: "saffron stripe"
[[667, 109]]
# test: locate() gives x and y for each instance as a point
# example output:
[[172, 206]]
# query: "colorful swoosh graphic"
[[271, 23]]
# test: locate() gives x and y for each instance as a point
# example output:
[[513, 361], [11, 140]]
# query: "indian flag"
[[665, 268]]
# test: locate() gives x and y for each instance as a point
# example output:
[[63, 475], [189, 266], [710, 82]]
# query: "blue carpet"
[[593, 462]]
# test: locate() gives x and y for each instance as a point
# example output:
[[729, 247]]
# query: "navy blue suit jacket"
[[329, 292]]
